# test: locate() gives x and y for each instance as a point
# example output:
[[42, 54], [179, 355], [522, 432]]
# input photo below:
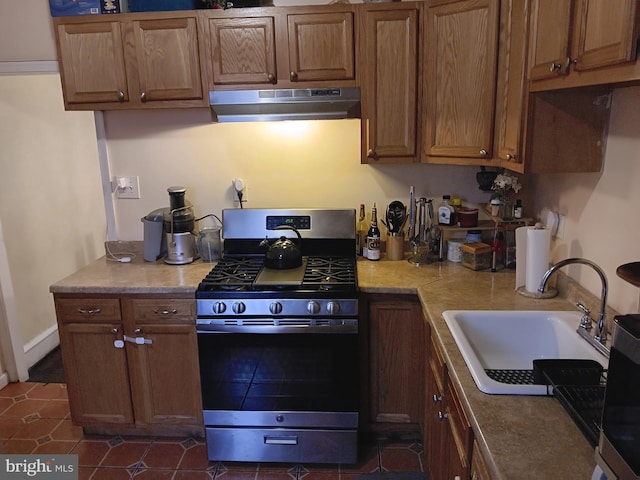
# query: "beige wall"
[[51, 204], [602, 208], [27, 33], [285, 164]]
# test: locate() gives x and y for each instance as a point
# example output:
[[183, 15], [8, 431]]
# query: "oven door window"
[[279, 372]]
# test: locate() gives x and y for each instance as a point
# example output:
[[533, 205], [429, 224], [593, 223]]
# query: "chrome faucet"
[[600, 334]]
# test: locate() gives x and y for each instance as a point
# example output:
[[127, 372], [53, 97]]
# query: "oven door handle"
[[280, 439], [342, 328]]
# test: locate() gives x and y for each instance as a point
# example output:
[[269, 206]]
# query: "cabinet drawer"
[[159, 310], [87, 309], [436, 362]]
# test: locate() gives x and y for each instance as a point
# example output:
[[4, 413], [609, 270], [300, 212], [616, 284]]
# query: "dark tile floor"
[[34, 418]]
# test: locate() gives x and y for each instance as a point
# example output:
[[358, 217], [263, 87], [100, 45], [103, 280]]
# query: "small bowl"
[[468, 217]]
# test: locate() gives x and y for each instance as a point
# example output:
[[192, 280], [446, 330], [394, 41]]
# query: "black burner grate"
[[330, 271], [232, 274]]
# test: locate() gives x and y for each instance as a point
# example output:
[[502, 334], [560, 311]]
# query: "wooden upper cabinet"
[[164, 60], [92, 62], [283, 47], [605, 33], [512, 91], [581, 35], [136, 61], [243, 50], [461, 58], [321, 46], [549, 42], [389, 87]]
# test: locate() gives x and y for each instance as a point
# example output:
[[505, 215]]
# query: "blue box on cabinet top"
[[63, 8], [162, 5]]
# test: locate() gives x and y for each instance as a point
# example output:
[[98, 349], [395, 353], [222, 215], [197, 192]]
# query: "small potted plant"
[[504, 187]]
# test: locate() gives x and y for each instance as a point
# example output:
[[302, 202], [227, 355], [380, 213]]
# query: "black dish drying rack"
[[579, 386]]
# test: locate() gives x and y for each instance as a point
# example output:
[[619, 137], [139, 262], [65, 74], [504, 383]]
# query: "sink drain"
[[512, 377]]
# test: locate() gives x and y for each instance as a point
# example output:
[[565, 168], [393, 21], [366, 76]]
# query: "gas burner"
[[232, 274], [325, 271]]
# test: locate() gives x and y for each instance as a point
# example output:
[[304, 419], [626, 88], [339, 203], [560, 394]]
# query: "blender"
[[179, 225]]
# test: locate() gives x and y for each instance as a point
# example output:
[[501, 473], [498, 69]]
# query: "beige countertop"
[[522, 437]]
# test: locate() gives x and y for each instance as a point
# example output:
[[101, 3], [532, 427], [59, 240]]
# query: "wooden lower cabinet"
[[447, 433], [131, 363], [479, 468], [394, 336]]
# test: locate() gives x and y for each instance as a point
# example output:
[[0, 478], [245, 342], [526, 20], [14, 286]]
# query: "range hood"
[[284, 104]]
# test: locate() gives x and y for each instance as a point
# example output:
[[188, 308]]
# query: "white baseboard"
[[4, 380], [36, 349]]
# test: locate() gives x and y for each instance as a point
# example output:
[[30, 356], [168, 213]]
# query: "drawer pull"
[[165, 312], [281, 440], [437, 398], [442, 416], [90, 311]]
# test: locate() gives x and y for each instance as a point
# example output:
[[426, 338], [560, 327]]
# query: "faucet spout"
[[600, 333]]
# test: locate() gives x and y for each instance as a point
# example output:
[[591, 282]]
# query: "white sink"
[[511, 340]]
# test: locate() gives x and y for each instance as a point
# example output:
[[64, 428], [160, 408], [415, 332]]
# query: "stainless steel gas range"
[[278, 346]]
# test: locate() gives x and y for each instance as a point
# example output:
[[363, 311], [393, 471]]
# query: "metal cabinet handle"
[[293, 76], [371, 153], [271, 78], [437, 398], [121, 97], [484, 153], [90, 311], [511, 157], [143, 97], [137, 331], [442, 416], [165, 312], [114, 331], [554, 67]]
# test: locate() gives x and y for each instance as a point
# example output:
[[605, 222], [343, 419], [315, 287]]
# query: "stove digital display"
[[299, 222]]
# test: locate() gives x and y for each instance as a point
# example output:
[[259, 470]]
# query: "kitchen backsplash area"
[[284, 164]]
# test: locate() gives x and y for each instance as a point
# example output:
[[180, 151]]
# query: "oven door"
[[310, 379]]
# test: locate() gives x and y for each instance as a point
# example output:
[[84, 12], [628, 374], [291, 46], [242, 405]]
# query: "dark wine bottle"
[[373, 237]]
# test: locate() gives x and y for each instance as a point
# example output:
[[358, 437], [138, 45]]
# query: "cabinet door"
[[479, 468], [460, 72], [96, 374], [321, 46], [435, 423], [512, 92], [243, 50], [605, 33], [164, 63], [165, 378], [390, 86], [92, 65], [549, 41], [397, 359]]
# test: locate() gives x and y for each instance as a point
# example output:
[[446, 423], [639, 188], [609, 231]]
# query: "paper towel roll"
[[532, 256]]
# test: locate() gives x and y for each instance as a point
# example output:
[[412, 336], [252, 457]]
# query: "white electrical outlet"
[[238, 185], [128, 187], [560, 231]]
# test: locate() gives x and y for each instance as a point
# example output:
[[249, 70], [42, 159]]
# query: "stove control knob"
[[275, 308], [313, 307], [219, 307], [239, 307], [333, 308]]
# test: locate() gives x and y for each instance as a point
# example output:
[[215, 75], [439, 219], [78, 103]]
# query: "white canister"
[[454, 254]]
